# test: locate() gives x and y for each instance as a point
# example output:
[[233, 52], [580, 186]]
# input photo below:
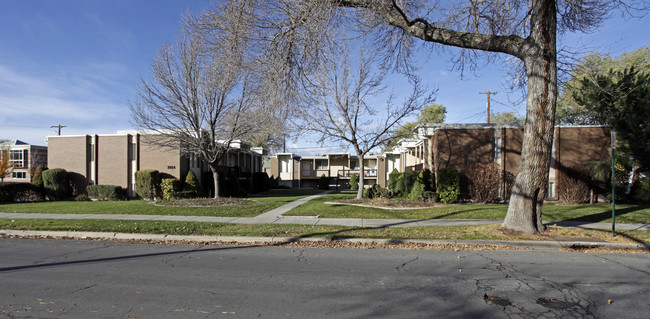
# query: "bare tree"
[[339, 96], [526, 30], [200, 96]]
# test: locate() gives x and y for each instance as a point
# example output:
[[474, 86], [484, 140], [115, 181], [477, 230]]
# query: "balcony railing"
[[347, 173], [314, 173]]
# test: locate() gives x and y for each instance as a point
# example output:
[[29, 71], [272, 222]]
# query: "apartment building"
[[23, 158], [305, 171], [113, 159]]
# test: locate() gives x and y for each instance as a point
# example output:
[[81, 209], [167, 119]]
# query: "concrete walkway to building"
[[275, 216]]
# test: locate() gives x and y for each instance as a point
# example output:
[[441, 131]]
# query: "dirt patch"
[[205, 202]]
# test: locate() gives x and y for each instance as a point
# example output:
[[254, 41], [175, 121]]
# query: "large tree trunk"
[[215, 176], [361, 177], [529, 190]]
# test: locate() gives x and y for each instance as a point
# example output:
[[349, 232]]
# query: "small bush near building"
[[424, 183], [393, 179], [191, 187], [377, 191], [37, 180], [171, 188], [106, 192], [448, 185], [260, 182], [354, 183], [573, 185], [406, 182], [20, 192], [484, 180], [55, 184], [147, 183], [323, 182]]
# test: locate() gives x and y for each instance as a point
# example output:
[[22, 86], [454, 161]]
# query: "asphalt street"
[[44, 278]]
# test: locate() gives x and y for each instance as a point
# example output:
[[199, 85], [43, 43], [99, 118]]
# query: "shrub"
[[191, 187], [449, 194], [323, 182], [37, 180], [424, 183], [170, 188], [393, 179], [106, 192], [406, 182], [20, 192], [641, 190], [55, 183], [573, 184], [354, 183], [147, 183], [448, 185], [260, 182], [484, 180]]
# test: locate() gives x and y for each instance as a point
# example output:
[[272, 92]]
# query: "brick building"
[[113, 159], [24, 159]]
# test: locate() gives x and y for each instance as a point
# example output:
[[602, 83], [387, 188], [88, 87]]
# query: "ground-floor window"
[[18, 175]]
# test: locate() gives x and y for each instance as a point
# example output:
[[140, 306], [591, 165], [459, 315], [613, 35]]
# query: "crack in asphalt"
[[556, 300], [80, 289], [402, 266]]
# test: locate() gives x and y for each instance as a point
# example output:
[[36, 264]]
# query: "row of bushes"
[[481, 184]]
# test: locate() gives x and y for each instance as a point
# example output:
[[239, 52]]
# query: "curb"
[[282, 240]]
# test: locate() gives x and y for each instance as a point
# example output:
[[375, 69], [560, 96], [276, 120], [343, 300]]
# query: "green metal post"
[[613, 185]]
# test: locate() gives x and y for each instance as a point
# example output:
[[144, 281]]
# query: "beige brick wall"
[[164, 159], [70, 153], [113, 161]]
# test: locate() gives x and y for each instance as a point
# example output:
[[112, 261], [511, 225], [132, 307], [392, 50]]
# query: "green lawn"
[[637, 214], [138, 207]]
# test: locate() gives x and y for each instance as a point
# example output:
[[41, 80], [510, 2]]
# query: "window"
[[194, 160], [17, 158], [133, 154], [550, 192], [92, 152], [321, 164], [18, 175], [496, 151], [353, 164]]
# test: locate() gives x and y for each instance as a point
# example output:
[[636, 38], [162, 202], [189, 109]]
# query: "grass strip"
[[483, 232], [634, 214], [139, 207]]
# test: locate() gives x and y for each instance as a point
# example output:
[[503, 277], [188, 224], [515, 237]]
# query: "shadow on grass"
[[607, 214]]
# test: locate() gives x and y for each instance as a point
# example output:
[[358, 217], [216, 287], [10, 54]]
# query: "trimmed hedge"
[[55, 183], [20, 192], [641, 190], [106, 192], [393, 179], [147, 183]]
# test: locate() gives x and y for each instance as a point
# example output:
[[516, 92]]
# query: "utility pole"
[[59, 127], [488, 103]]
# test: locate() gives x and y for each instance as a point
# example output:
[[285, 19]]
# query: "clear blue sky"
[[76, 63]]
